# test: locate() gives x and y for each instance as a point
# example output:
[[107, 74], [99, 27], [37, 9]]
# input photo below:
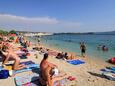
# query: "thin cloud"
[[40, 20], [36, 23]]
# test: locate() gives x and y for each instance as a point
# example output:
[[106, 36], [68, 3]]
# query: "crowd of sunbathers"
[[7, 52], [49, 71], [57, 54]]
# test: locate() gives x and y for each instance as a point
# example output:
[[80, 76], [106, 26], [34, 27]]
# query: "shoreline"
[[87, 56]]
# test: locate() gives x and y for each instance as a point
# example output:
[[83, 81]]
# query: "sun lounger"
[[75, 62]]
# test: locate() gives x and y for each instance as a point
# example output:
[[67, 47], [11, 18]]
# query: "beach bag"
[[4, 74]]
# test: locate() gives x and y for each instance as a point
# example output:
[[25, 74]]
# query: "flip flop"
[[71, 78]]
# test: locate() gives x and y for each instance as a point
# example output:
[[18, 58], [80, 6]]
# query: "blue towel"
[[29, 66], [75, 62], [108, 76], [111, 68], [1, 67], [108, 70], [26, 79], [32, 80]]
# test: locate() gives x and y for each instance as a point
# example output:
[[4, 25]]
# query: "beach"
[[57, 42], [86, 74]]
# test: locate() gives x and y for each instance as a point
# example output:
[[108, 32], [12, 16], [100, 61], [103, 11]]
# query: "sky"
[[58, 15]]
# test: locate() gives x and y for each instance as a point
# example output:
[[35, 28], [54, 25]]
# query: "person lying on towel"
[[49, 72], [7, 54]]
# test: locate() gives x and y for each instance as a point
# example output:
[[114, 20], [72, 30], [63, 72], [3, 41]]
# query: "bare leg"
[[59, 77], [3, 59], [17, 65]]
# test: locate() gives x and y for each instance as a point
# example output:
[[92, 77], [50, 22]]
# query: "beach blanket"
[[32, 80], [9, 67], [108, 70], [23, 56], [25, 80], [29, 66], [109, 75], [111, 68], [75, 62], [19, 52]]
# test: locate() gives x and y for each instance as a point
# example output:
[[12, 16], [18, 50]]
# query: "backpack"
[[4, 74]]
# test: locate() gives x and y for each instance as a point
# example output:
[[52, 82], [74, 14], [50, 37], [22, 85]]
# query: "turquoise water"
[[70, 43]]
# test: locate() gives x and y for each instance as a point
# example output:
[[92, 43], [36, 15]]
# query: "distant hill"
[[90, 33], [74, 33], [106, 33]]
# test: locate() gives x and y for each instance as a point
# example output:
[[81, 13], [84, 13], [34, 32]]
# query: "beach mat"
[[8, 67], [109, 76], [75, 62], [29, 66], [33, 80], [26, 80], [111, 68], [107, 70]]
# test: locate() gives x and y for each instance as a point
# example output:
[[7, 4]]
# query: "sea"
[[71, 43]]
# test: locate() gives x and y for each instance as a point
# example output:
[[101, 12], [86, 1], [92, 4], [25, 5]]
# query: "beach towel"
[[75, 62], [29, 66], [19, 52], [23, 56], [1, 67], [109, 76], [32, 80], [111, 68], [9, 67], [26, 79], [108, 70]]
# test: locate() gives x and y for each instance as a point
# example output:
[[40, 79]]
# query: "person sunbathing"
[[72, 56], [60, 56], [49, 72], [65, 56], [7, 54]]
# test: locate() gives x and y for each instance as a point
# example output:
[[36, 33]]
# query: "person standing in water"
[[38, 40], [83, 49]]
